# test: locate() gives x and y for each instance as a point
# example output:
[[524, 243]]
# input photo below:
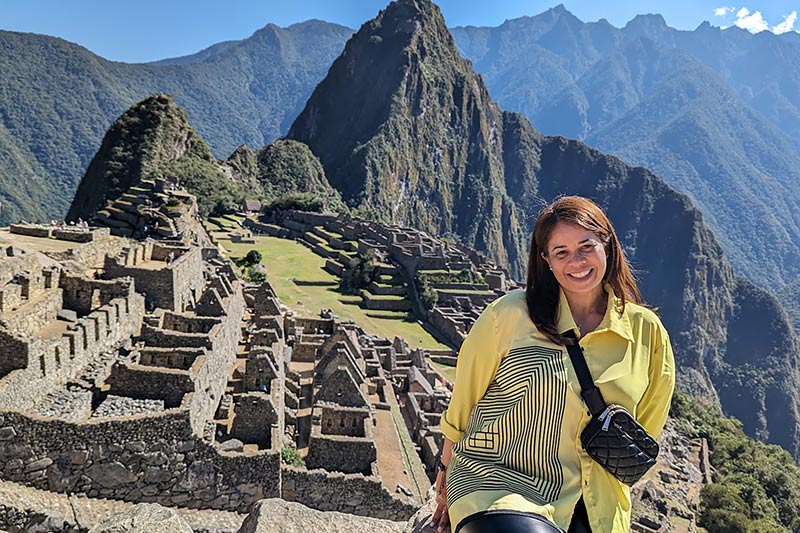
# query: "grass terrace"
[[286, 261]]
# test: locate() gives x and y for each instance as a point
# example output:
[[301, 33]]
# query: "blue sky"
[[148, 30]]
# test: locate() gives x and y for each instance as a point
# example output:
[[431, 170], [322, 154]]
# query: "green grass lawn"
[[447, 371], [285, 260], [224, 222], [465, 292]]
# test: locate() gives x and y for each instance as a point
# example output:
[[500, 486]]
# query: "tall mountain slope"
[[714, 112], [153, 139], [406, 131], [58, 99]]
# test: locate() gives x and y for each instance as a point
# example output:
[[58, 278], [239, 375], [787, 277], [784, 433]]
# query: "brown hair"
[[542, 289]]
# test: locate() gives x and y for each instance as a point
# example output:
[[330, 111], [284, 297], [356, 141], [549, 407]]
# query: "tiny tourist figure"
[[513, 457]]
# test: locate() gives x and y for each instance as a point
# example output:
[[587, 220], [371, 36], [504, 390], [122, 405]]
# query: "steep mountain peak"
[[151, 139], [407, 131], [706, 26], [647, 24]]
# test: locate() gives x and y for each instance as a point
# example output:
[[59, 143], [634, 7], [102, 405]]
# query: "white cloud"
[[752, 22], [724, 10], [787, 24]]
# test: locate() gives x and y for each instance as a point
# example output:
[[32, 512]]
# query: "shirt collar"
[[614, 320]]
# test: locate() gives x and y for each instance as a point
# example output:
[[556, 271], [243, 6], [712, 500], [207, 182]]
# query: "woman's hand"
[[441, 519]]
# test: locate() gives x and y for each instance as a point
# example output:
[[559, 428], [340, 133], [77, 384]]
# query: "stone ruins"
[[144, 370], [406, 258]]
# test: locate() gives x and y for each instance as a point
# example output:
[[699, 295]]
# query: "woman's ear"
[[545, 259]]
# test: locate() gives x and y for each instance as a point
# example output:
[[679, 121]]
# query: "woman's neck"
[[587, 309]]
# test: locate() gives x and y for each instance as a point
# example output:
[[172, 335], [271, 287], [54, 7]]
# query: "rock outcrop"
[[143, 518], [289, 517]]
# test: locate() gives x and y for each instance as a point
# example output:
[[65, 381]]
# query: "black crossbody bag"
[[613, 438]]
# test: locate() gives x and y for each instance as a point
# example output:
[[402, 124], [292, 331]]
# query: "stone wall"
[[150, 383], [11, 265], [449, 326], [52, 362], [346, 493], [82, 294], [31, 230], [188, 324], [351, 455], [181, 358], [139, 458], [13, 353], [173, 287], [345, 421], [10, 297], [211, 377], [33, 316], [254, 420], [92, 254]]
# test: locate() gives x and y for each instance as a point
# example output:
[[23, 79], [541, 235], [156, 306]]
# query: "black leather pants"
[[519, 522]]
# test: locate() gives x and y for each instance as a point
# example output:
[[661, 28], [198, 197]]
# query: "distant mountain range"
[[57, 100], [408, 133], [716, 113]]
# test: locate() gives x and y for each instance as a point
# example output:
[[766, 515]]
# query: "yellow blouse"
[[516, 414]]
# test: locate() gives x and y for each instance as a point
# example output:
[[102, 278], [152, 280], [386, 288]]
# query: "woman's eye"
[[561, 254], [587, 247]]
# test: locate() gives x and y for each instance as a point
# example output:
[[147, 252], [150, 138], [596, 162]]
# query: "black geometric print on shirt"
[[513, 435]]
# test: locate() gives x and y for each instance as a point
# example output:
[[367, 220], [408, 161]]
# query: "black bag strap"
[[591, 395]]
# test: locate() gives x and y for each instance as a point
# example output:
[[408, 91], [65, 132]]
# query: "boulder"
[[143, 518], [272, 515]]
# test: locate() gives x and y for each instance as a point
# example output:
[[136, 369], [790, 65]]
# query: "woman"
[[512, 451]]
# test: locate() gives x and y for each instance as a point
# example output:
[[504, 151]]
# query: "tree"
[[253, 257]]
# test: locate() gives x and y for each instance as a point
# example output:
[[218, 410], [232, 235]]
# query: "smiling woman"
[[512, 459]]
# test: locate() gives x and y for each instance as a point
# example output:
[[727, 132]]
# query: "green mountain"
[[715, 113], [408, 133], [58, 99], [153, 139]]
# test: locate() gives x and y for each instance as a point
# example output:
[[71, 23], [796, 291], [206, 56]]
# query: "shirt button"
[[586, 482]]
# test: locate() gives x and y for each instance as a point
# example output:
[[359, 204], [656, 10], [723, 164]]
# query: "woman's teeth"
[[580, 275]]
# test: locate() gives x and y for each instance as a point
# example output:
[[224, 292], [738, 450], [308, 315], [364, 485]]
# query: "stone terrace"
[[407, 260]]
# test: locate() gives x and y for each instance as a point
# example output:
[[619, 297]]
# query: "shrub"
[[428, 296], [253, 257], [290, 456], [360, 276], [299, 201], [255, 275]]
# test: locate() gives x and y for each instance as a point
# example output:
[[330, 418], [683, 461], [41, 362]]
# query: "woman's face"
[[577, 258]]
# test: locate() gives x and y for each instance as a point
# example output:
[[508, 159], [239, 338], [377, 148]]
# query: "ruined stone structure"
[[145, 371], [463, 279]]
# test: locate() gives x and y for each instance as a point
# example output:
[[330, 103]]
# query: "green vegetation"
[[254, 274], [427, 294], [287, 167], [153, 139], [300, 201], [466, 275], [253, 257], [287, 260], [62, 98], [756, 486], [290, 456], [355, 279]]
